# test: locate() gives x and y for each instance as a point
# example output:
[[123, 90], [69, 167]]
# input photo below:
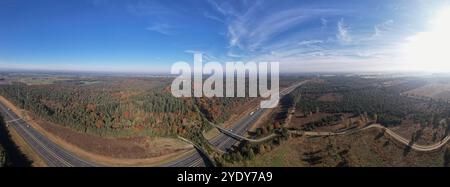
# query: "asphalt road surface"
[[224, 142], [56, 156], [51, 153]]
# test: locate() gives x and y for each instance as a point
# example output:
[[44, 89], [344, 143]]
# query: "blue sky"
[[148, 36]]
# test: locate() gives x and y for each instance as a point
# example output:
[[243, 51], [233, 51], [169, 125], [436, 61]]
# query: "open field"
[[339, 104], [366, 148], [108, 151], [438, 91], [120, 106], [119, 120], [130, 121], [225, 83]]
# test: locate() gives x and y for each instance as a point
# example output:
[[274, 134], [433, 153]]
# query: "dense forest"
[[120, 106], [372, 97]]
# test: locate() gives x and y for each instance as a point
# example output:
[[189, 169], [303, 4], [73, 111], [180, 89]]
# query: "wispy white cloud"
[[379, 29], [223, 8], [343, 32], [160, 13], [324, 23], [212, 17], [252, 32], [233, 54], [161, 28], [207, 56], [309, 42], [255, 36]]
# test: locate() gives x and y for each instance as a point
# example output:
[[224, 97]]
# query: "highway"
[[240, 138], [52, 154], [223, 141], [56, 156]]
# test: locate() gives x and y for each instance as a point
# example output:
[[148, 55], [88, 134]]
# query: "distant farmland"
[[438, 91]]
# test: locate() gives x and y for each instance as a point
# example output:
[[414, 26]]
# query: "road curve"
[[391, 133], [223, 142], [56, 156]]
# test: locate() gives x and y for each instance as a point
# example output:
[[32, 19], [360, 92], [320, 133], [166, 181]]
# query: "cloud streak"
[[379, 29], [343, 32], [252, 32], [164, 29]]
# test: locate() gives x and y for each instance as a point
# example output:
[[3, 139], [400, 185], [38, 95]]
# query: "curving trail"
[[56, 156], [391, 133]]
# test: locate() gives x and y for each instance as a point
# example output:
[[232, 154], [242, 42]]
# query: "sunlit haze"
[[149, 36], [429, 50]]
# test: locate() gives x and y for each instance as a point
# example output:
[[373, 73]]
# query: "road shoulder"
[[99, 159]]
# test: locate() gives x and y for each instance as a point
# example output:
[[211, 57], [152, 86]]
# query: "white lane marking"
[[64, 162], [13, 120]]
